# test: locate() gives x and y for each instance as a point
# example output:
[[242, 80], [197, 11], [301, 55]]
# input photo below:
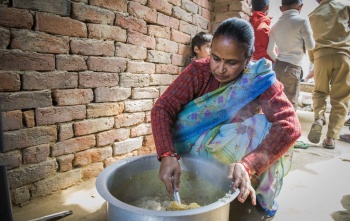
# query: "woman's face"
[[227, 59]]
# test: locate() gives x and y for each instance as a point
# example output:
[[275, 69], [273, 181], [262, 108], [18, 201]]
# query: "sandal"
[[343, 138], [315, 133], [327, 146], [301, 145]]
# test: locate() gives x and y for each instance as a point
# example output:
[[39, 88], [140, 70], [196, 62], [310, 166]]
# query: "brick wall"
[[78, 80]]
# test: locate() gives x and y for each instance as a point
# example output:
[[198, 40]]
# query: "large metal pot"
[[130, 179]]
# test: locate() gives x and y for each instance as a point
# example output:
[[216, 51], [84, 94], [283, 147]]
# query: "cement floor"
[[316, 189]]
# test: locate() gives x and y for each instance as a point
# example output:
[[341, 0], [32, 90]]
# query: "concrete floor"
[[316, 189]]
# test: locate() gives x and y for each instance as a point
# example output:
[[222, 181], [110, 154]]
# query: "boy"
[[261, 24], [200, 45], [292, 35]]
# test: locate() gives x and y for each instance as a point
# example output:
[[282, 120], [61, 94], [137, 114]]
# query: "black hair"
[[239, 30], [259, 5], [291, 2], [200, 39]]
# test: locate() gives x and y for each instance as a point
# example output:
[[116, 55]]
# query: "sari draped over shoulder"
[[204, 128]]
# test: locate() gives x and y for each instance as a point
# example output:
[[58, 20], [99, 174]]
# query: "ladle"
[[176, 193]]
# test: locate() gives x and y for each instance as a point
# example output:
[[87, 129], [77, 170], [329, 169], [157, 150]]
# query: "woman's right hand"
[[170, 167]]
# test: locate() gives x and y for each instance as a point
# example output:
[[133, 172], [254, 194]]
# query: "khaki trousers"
[[289, 75], [332, 78]]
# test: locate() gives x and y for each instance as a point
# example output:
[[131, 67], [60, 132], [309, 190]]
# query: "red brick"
[[109, 64], [87, 13], [127, 146], [201, 22], [178, 60], [239, 6], [54, 24], [131, 23], [90, 156], [119, 5], [16, 18], [73, 145], [144, 93], [104, 109], [162, 79], [148, 141], [106, 94], [4, 38], [130, 51], [49, 80], [28, 118], [128, 119], [91, 126], [167, 46], [132, 106], [181, 14], [167, 21], [161, 6], [185, 50], [159, 57], [12, 120], [92, 47], [140, 67], [53, 115], [11, 159], [92, 170], [60, 7], [159, 31], [203, 3], [25, 100], [207, 14], [65, 131], [107, 32], [36, 154], [109, 137], [141, 130], [73, 96], [89, 79], [9, 81], [188, 28], [166, 69], [175, 2], [28, 137], [220, 7], [189, 6], [65, 163], [139, 39], [180, 37], [27, 61], [70, 63], [38, 42], [142, 12], [129, 80]]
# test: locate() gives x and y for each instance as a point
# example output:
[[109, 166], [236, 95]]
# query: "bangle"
[[169, 153], [246, 167]]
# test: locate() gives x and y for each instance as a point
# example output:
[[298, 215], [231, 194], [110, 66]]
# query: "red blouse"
[[196, 80]]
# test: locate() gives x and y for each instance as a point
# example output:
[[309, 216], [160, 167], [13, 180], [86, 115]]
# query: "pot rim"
[[102, 188]]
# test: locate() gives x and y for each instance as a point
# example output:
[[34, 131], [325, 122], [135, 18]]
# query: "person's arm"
[[186, 87], [306, 34], [284, 131], [271, 48]]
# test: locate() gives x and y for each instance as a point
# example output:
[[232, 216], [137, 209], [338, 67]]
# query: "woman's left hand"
[[237, 172]]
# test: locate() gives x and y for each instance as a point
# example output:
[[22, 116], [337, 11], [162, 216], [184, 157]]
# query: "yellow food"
[[176, 206]]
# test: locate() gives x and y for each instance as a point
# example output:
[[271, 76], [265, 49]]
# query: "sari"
[[204, 128]]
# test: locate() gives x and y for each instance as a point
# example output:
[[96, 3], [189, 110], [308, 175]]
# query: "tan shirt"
[[330, 23]]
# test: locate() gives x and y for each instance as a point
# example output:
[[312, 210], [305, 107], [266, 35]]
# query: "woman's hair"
[[259, 5], [238, 30], [200, 39]]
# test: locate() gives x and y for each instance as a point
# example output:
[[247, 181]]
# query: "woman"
[[234, 111]]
